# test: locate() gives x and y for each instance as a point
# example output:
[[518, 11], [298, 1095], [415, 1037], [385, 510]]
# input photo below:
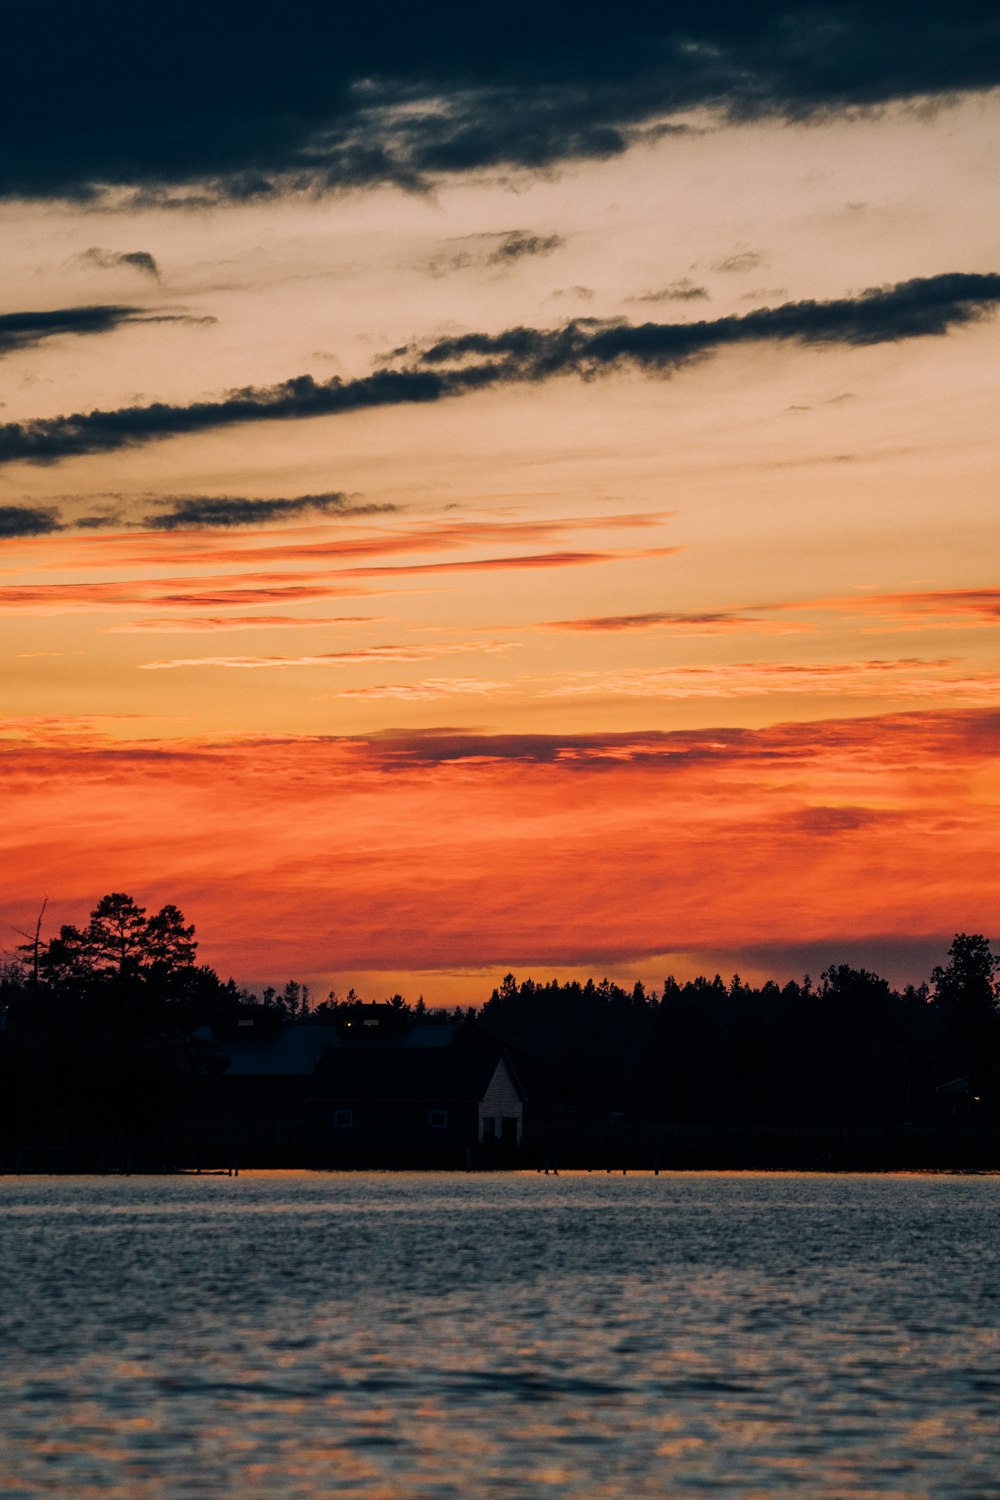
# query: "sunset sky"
[[504, 490]]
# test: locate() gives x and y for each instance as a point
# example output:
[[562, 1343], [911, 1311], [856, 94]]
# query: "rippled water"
[[381, 1335]]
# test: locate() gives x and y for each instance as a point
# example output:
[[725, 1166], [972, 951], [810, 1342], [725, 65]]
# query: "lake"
[[390, 1336]]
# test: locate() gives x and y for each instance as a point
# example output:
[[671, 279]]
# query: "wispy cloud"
[[574, 293], [696, 622], [228, 591], [430, 689], [209, 624], [80, 730], [360, 564], [683, 290], [519, 560], [113, 260], [201, 547], [951, 609], [493, 251], [740, 260], [362, 657], [918, 678], [521, 242]]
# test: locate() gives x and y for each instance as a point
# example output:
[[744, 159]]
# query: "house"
[[374, 1087], [446, 1105]]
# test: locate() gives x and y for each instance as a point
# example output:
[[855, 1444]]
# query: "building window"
[[489, 1127], [437, 1119], [343, 1119]]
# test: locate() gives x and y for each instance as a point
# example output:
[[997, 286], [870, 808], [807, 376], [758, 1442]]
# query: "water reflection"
[[382, 1336]]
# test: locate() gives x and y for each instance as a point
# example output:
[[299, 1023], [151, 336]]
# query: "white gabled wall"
[[502, 1099]]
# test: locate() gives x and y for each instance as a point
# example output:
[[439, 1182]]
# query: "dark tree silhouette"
[[967, 985], [966, 993], [119, 945], [116, 940], [168, 944], [62, 961], [96, 1034]]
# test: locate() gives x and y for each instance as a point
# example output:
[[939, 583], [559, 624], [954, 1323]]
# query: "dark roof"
[[961, 1085], [400, 1075], [292, 1052], [428, 1034]]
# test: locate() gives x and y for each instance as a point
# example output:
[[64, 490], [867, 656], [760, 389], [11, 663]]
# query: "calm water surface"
[[384, 1336]]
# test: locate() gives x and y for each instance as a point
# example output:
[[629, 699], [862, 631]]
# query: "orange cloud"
[[246, 589], [532, 560], [700, 622], [956, 609], [64, 729], [444, 849], [177, 548], [223, 591], [952, 609]]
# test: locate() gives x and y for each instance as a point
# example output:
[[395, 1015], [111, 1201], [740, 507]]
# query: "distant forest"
[[113, 1027]]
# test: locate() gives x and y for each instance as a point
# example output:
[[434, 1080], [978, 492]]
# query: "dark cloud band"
[[225, 511], [479, 361], [24, 329], [187, 513], [28, 520], [352, 96], [910, 309]]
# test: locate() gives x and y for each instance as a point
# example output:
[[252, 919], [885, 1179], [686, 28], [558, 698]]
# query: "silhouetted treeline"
[[849, 1049], [112, 1037]]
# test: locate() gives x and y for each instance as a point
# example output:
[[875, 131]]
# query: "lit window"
[[437, 1119]]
